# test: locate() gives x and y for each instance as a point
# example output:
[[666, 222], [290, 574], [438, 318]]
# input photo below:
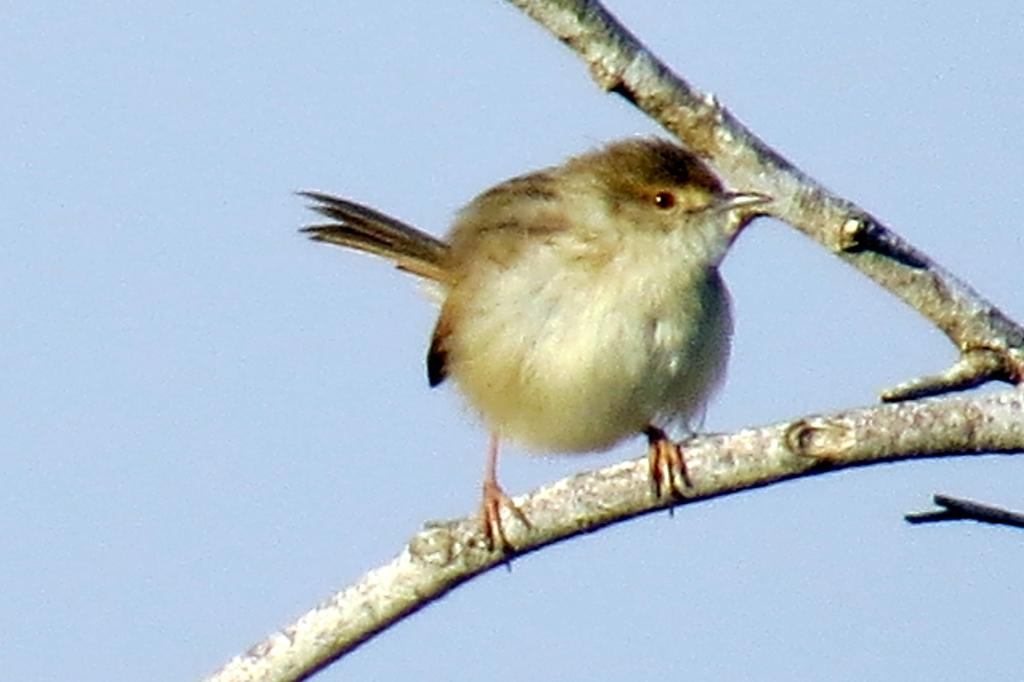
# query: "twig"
[[958, 509]]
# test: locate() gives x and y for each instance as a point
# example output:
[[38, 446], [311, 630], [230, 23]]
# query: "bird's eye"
[[664, 200]]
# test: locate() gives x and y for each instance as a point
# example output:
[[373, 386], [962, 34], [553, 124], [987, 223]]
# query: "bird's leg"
[[494, 498], [667, 463]]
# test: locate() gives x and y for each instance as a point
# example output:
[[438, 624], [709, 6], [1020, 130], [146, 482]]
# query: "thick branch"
[[620, 64], [446, 554]]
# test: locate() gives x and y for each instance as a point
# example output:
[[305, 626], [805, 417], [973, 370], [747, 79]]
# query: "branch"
[[446, 554], [991, 345], [957, 509]]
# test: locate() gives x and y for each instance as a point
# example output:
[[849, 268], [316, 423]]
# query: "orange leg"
[[667, 463], [494, 499]]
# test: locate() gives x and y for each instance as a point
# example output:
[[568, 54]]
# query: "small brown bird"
[[582, 303]]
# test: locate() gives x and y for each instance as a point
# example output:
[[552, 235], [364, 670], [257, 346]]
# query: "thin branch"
[[972, 369], [446, 554], [958, 509], [620, 64]]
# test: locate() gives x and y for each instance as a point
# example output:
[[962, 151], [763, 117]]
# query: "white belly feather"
[[578, 358]]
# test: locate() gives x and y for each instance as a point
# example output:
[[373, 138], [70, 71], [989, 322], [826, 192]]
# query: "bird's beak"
[[731, 201], [742, 208]]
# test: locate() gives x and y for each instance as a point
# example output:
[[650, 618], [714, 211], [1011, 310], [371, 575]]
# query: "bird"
[[580, 304]]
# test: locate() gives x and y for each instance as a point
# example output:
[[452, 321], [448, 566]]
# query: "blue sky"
[[210, 424]]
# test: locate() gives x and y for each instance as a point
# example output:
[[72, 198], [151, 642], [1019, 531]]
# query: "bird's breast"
[[575, 354]]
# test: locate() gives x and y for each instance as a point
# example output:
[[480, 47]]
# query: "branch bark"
[[446, 554]]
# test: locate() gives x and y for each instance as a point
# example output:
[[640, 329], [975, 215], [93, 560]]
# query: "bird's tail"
[[362, 228]]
